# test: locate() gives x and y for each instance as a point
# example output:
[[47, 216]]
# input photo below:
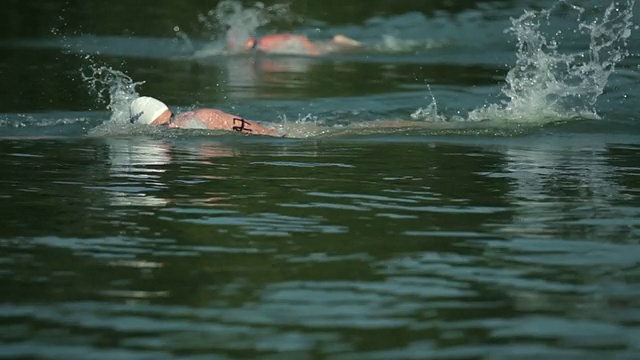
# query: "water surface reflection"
[[242, 248]]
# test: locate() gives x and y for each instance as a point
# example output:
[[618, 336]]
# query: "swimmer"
[[150, 111], [299, 44]]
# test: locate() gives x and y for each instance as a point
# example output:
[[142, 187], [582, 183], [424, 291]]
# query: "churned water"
[[465, 187]]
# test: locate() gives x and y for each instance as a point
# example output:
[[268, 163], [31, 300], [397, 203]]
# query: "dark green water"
[[515, 237], [383, 248]]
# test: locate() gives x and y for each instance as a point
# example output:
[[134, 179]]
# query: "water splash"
[[429, 113], [112, 87], [395, 45], [238, 23], [545, 82]]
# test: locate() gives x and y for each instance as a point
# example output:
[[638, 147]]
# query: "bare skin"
[[300, 44], [212, 119]]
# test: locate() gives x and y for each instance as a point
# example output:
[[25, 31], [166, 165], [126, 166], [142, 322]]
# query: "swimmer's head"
[[250, 44], [145, 110]]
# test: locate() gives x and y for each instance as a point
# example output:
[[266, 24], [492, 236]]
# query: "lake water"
[[468, 187]]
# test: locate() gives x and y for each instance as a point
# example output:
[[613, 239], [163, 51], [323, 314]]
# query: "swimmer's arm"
[[218, 119], [343, 40]]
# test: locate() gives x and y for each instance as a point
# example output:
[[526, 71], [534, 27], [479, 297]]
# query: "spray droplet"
[[549, 82]]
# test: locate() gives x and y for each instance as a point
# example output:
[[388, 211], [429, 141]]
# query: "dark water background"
[[515, 237]]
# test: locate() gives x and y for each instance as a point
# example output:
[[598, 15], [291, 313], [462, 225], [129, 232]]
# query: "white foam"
[[116, 85]]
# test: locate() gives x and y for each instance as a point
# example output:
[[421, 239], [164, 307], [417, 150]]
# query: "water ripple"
[[267, 224]]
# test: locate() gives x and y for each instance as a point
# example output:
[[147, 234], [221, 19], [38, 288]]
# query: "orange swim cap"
[[251, 43]]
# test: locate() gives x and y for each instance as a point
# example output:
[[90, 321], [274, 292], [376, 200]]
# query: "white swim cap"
[[145, 109]]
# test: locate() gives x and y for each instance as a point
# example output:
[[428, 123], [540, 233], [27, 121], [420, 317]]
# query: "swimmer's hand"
[[345, 41]]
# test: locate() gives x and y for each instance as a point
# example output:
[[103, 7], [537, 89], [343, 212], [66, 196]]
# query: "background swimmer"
[[295, 44]]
